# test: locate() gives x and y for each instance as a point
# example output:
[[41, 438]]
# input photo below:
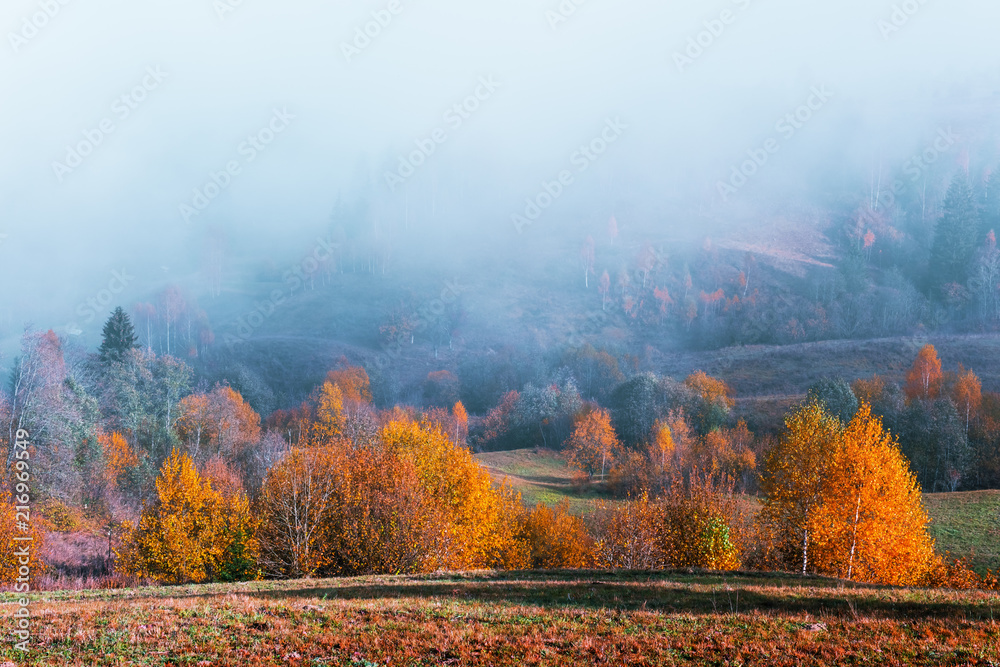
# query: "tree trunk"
[[854, 543], [805, 549]]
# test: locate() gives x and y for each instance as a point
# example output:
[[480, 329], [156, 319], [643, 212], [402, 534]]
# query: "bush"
[[694, 525], [558, 539]]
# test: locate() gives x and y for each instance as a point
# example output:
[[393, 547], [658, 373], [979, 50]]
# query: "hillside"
[[516, 618]]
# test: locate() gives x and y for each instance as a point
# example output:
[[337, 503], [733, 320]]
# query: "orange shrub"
[[558, 539], [10, 560]]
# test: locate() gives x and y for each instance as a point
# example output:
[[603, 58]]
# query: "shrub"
[[558, 539]]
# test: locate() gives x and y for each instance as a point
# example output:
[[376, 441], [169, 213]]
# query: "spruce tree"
[[119, 337], [955, 237]]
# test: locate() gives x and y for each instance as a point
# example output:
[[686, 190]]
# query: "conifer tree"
[[955, 236], [119, 337]]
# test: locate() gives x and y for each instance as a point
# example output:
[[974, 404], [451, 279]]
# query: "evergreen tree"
[[119, 337], [955, 238], [836, 396]]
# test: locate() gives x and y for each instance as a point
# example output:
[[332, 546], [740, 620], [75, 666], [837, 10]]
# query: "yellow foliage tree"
[[461, 418], [191, 533], [967, 394], [483, 521], [328, 426], [797, 471]]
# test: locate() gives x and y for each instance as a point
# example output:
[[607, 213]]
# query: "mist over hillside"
[[237, 137]]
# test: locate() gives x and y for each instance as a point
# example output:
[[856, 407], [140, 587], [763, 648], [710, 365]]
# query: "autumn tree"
[[695, 524], [295, 504], [460, 420], [11, 566], [329, 512], [593, 445], [482, 521], [354, 383], [924, 379], [967, 393], [220, 422], [190, 533], [871, 525], [715, 402], [795, 477], [328, 425], [119, 457], [844, 496]]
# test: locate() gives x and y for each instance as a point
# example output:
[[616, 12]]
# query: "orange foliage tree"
[[354, 383], [119, 457], [460, 417], [11, 562], [329, 512], [220, 422], [872, 525], [925, 377], [593, 444], [967, 394]]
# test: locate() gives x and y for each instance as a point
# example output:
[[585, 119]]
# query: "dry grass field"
[[517, 619]]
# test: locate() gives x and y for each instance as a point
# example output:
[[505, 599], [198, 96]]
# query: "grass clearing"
[[517, 618], [967, 524]]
